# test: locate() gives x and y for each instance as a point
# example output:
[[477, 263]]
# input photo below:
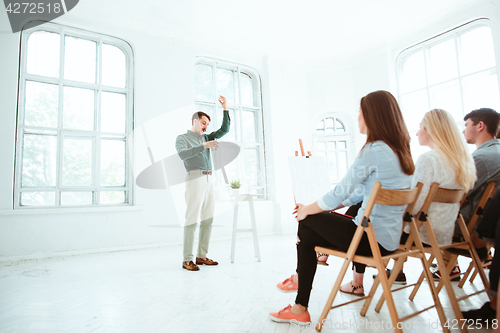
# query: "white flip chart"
[[310, 179]]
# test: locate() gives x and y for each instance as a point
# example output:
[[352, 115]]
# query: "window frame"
[[238, 108], [96, 134]]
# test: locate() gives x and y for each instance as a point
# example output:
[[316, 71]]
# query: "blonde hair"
[[446, 138]]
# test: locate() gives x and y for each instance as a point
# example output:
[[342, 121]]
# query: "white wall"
[[163, 84], [163, 70], [340, 89]]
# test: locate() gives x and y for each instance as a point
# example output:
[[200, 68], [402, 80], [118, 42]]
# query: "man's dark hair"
[[198, 115], [488, 116]]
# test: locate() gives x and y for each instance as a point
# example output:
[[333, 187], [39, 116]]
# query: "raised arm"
[[224, 129]]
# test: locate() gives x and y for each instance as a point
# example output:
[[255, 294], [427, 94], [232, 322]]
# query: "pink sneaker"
[[287, 316], [288, 286]]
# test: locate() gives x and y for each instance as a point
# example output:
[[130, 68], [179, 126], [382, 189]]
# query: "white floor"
[[147, 291]]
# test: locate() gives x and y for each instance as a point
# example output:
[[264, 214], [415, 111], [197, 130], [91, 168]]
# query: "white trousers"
[[200, 205]]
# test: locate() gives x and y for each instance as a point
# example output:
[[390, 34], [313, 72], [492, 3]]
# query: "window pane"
[[342, 145], [41, 104], [248, 122], [203, 82], [225, 84], [38, 198], [78, 108], [447, 96], [113, 112], [342, 163], [476, 51], [481, 91], [330, 146], [332, 166], [76, 198], [339, 126], [251, 167], [113, 66], [43, 54], [442, 64], [329, 125], [112, 197], [246, 89], [414, 106], [77, 162], [79, 59], [321, 126], [413, 73], [112, 163], [39, 161]]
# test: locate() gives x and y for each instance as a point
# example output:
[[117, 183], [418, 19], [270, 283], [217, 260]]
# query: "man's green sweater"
[[190, 146]]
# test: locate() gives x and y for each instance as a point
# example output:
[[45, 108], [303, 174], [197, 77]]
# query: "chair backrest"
[[390, 197], [442, 195], [479, 210]]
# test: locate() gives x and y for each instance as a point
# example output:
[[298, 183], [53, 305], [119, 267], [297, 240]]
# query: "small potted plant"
[[235, 186]]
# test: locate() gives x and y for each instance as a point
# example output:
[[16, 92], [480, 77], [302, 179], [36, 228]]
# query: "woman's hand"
[[300, 211]]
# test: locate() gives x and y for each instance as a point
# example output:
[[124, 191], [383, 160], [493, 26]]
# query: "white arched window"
[[332, 139], [75, 112], [455, 71]]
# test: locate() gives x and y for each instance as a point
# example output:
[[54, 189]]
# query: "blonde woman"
[[447, 163]]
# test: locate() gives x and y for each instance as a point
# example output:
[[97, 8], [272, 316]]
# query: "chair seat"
[[368, 260]]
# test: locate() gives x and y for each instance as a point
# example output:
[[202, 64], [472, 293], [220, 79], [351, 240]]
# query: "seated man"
[[481, 127], [486, 228]]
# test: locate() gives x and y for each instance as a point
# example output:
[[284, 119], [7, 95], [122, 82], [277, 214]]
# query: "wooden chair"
[[478, 212], [381, 196], [441, 195]]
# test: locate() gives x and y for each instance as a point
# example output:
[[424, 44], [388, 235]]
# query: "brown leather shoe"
[[190, 266], [206, 261]]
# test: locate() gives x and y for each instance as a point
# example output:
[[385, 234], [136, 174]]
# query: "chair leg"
[[395, 271], [434, 293], [331, 298], [387, 294], [473, 276], [445, 280], [466, 275], [420, 280], [369, 298]]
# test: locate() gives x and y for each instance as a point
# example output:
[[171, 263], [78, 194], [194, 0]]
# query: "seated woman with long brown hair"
[[384, 158]]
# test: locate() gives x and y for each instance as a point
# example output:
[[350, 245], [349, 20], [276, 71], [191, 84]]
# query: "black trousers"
[[486, 227], [327, 230]]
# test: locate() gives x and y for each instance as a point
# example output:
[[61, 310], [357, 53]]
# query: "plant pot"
[[235, 191]]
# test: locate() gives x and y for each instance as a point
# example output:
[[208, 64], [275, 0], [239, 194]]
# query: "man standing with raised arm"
[[193, 148]]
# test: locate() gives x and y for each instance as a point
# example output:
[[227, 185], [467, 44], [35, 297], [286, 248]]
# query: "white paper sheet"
[[310, 179]]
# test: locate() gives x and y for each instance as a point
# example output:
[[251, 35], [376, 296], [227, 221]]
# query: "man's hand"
[[211, 144], [223, 102]]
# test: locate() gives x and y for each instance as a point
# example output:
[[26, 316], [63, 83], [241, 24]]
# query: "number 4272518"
[[33, 8]]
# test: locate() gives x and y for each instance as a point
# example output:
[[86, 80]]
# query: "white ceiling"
[[310, 32]]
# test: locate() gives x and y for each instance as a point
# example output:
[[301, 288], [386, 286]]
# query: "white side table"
[[237, 199]]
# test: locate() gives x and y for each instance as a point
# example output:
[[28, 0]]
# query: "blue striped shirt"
[[376, 162]]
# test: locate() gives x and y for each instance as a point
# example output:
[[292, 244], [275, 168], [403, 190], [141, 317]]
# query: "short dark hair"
[[198, 115], [488, 116]]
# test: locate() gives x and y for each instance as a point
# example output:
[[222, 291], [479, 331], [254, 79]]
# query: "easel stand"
[[237, 199]]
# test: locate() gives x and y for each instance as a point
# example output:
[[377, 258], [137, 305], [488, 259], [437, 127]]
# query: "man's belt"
[[200, 172]]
